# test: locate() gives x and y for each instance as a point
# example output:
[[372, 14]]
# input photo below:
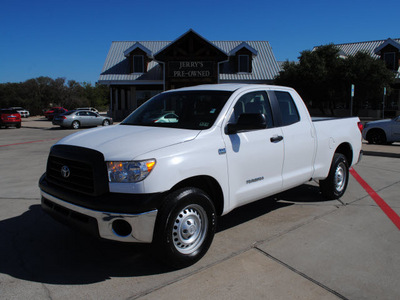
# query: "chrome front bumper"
[[133, 228]]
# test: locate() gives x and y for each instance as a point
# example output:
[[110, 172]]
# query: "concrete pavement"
[[295, 245]]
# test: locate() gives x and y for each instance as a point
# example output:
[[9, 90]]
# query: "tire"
[[18, 125], [75, 125], [185, 227], [376, 136], [106, 123], [334, 186]]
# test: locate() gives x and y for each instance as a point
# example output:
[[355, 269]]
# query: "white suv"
[[22, 111], [88, 108]]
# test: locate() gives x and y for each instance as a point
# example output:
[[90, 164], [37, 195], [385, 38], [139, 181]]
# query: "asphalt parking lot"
[[295, 245]]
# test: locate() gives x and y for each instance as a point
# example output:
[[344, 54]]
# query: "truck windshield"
[[185, 110]]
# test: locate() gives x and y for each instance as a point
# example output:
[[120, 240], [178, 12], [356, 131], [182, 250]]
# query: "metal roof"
[[350, 49], [116, 67]]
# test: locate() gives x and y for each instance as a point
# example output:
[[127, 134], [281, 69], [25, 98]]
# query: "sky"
[[71, 39]]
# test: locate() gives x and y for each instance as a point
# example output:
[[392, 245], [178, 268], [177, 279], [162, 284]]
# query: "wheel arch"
[[376, 129], [347, 151], [209, 185]]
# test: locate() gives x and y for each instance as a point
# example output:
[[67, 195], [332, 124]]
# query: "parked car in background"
[[54, 111], [87, 108], [81, 118], [22, 111], [167, 118], [10, 117], [382, 131]]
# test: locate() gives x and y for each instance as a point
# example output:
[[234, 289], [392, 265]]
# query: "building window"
[[389, 58], [138, 64], [244, 66]]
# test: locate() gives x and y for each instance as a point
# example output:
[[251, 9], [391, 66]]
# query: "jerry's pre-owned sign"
[[184, 69]]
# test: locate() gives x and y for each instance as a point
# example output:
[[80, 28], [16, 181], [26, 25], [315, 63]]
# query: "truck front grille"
[[70, 174], [78, 169]]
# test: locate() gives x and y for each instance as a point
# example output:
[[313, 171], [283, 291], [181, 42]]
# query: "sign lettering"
[[191, 69]]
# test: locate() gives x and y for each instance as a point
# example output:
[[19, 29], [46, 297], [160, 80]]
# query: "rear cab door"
[[298, 136]]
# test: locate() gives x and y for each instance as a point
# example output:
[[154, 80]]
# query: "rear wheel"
[[376, 136], [106, 122], [185, 227], [75, 125], [334, 186], [18, 125]]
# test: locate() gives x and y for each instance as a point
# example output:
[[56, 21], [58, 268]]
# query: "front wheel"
[[185, 227], [334, 186]]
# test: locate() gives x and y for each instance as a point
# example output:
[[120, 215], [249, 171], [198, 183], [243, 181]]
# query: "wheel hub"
[[340, 177], [189, 229]]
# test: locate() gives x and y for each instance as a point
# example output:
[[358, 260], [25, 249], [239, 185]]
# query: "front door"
[[255, 158]]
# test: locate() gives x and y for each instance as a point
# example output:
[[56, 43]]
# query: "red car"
[[54, 111], [10, 117]]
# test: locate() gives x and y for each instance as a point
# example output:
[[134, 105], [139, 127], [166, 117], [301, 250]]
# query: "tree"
[[324, 79], [39, 93], [369, 76], [98, 95]]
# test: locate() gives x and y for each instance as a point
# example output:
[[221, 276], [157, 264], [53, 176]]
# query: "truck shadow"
[[34, 247], [305, 193]]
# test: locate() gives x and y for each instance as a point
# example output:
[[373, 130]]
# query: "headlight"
[[129, 171]]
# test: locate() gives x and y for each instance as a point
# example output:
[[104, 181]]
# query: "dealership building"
[[138, 70]]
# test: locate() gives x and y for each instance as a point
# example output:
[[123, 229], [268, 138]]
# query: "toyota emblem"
[[65, 172]]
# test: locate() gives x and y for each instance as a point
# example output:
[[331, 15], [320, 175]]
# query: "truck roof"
[[224, 87]]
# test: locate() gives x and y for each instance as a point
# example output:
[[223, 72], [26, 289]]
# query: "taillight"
[[360, 126], [63, 117]]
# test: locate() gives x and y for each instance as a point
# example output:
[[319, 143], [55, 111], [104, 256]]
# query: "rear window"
[[68, 113]]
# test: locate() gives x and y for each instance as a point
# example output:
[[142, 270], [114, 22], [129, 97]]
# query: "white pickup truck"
[[187, 156]]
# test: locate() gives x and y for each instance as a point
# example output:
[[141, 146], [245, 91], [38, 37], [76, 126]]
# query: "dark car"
[[54, 111], [10, 117]]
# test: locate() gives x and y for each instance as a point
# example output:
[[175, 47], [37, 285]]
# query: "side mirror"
[[247, 122]]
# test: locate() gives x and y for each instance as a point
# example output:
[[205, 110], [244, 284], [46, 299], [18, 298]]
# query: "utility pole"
[[383, 102], [351, 100]]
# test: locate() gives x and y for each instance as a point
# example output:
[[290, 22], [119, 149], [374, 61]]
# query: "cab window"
[[254, 102]]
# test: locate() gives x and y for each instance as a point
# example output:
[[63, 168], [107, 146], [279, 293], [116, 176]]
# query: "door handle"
[[276, 139]]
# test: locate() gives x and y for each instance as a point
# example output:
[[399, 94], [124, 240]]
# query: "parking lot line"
[[30, 142], [392, 215]]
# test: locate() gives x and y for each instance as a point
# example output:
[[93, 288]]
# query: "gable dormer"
[[389, 52], [139, 57], [190, 45], [242, 56]]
